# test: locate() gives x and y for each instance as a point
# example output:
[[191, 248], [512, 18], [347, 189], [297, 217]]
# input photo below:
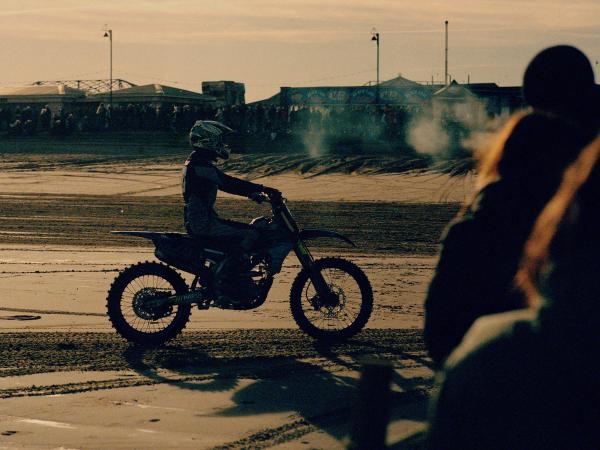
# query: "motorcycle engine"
[[242, 289], [249, 290]]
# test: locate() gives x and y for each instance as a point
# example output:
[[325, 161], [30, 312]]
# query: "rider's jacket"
[[202, 180]]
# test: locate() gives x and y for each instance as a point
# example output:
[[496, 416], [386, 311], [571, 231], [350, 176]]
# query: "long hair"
[[489, 164], [530, 154], [562, 211], [487, 168]]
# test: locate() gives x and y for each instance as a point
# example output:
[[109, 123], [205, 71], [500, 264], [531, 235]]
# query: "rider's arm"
[[237, 186], [227, 183]]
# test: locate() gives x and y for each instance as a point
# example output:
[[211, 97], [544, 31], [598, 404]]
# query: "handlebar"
[[263, 197]]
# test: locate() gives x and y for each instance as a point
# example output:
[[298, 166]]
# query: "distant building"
[[500, 100], [153, 94], [54, 96], [459, 102], [225, 92], [69, 98], [401, 92]]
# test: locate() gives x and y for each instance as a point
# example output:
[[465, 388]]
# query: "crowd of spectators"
[[269, 122], [29, 120]]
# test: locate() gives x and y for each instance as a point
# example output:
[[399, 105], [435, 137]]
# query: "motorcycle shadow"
[[313, 395], [318, 387], [183, 367]]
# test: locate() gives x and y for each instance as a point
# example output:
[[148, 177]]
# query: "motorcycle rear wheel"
[[355, 301], [135, 322]]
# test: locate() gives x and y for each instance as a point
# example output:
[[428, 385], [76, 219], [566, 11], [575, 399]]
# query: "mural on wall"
[[357, 95]]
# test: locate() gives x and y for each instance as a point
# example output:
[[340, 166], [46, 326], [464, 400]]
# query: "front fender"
[[311, 233]]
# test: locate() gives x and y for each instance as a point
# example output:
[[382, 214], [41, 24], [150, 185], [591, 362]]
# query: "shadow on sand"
[[317, 386]]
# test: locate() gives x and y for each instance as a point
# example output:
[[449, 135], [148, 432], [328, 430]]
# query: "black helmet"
[[206, 136]]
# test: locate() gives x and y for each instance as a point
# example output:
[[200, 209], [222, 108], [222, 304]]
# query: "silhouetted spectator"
[[4, 118], [15, 128], [482, 248], [129, 121], [28, 127], [45, 118], [69, 123], [17, 113], [260, 119], [272, 118], [529, 379], [26, 114], [175, 118], [101, 117], [85, 124]]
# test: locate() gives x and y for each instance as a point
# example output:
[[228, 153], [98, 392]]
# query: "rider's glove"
[[256, 197], [271, 192]]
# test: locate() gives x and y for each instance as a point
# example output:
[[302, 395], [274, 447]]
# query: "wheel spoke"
[[143, 318], [339, 317]]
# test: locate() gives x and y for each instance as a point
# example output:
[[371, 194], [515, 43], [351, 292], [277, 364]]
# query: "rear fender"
[[152, 235], [311, 233]]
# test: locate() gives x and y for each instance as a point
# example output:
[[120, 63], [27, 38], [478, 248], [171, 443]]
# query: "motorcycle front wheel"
[[341, 319], [131, 312]]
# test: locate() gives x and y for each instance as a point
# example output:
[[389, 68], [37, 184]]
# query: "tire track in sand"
[[196, 356], [219, 361]]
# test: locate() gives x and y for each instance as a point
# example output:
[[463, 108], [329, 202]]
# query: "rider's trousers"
[[199, 222]]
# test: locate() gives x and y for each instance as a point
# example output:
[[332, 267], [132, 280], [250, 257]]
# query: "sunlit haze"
[[267, 44]]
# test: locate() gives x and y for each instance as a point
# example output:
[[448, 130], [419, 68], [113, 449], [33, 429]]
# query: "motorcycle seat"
[[223, 244], [213, 243]]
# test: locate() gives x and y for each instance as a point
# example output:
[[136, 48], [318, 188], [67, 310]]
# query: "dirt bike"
[[150, 303]]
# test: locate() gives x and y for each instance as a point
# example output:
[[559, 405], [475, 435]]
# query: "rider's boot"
[[231, 268]]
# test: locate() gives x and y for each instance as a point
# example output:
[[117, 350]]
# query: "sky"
[[271, 43]]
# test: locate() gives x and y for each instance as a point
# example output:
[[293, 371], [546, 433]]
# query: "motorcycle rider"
[[201, 181]]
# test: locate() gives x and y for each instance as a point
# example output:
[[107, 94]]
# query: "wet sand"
[[64, 288], [215, 389], [148, 173], [233, 379]]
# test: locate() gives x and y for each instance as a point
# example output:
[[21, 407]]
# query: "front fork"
[[315, 275]]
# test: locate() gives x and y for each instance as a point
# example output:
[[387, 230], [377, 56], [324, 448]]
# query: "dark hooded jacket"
[[530, 379], [520, 380], [481, 250], [200, 183]]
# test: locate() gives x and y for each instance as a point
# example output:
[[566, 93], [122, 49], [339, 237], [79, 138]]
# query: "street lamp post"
[[108, 34], [375, 37]]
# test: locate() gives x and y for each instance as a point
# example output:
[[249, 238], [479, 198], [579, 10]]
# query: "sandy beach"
[[234, 379]]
